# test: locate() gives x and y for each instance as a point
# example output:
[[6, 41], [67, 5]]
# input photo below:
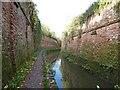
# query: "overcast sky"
[[57, 14]]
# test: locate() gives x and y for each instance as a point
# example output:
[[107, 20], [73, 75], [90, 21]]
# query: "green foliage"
[[45, 69], [94, 8], [78, 21], [72, 26], [93, 33], [52, 50], [103, 70], [116, 7], [108, 56], [33, 14], [117, 87], [65, 83], [22, 52], [46, 31], [17, 80], [89, 12], [35, 55], [35, 25]]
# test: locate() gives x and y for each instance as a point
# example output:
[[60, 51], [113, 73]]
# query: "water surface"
[[58, 74], [78, 78]]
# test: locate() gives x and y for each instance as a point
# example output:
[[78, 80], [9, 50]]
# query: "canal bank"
[[50, 57], [58, 75], [77, 77], [52, 73], [71, 72], [108, 75], [93, 43]]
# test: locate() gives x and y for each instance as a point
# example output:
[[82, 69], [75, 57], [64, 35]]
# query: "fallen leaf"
[[6, 86]]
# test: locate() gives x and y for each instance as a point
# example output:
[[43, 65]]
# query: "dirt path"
[[34, 78]]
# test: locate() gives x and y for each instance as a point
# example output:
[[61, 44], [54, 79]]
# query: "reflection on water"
[[78, 78], [58, 74], [52, 57]]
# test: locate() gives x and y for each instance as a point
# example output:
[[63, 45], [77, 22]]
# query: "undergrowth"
[[45, 68], [18, 79]]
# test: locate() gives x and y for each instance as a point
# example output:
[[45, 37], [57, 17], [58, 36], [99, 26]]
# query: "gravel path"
[[34, 78]]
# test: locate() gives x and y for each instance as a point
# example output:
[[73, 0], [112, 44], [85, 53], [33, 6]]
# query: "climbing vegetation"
[[18, 79], [78, 21], [35, 24]]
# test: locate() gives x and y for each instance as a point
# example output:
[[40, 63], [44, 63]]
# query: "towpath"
[[35, 78]]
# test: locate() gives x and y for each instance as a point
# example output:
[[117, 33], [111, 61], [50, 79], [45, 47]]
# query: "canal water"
[[76, 76], [58, 74]]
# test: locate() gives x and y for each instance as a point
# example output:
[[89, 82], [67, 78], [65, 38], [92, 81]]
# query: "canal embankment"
[[94, 43]]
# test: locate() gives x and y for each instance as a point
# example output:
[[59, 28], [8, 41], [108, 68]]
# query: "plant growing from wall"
[[84, 17], [18, 79], [116, 7], [94, 33], [35, 24]]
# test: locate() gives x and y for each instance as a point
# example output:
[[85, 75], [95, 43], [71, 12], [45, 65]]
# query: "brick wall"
[[48, 42], [90, 46], [20, 37], [98, 42], [18, 41]]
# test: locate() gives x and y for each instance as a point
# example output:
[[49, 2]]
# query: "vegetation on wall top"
[[78, 21], [46, 32]]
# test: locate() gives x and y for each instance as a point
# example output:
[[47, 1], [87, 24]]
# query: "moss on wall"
[[109, 55], [101, 70], [23, 44]]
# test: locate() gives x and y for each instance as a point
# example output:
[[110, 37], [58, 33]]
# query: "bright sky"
[[57, 14]]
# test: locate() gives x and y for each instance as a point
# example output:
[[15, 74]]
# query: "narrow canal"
[[74, 75], [78, 78], [58, 74]]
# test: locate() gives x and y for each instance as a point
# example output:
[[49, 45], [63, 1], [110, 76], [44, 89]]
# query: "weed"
[[18, 78]]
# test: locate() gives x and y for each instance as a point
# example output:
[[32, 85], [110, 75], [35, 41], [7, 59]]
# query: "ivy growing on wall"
[[94, 8], [78, 21]]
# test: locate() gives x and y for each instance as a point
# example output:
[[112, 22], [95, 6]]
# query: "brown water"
[[73, 73], [79, 78]]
